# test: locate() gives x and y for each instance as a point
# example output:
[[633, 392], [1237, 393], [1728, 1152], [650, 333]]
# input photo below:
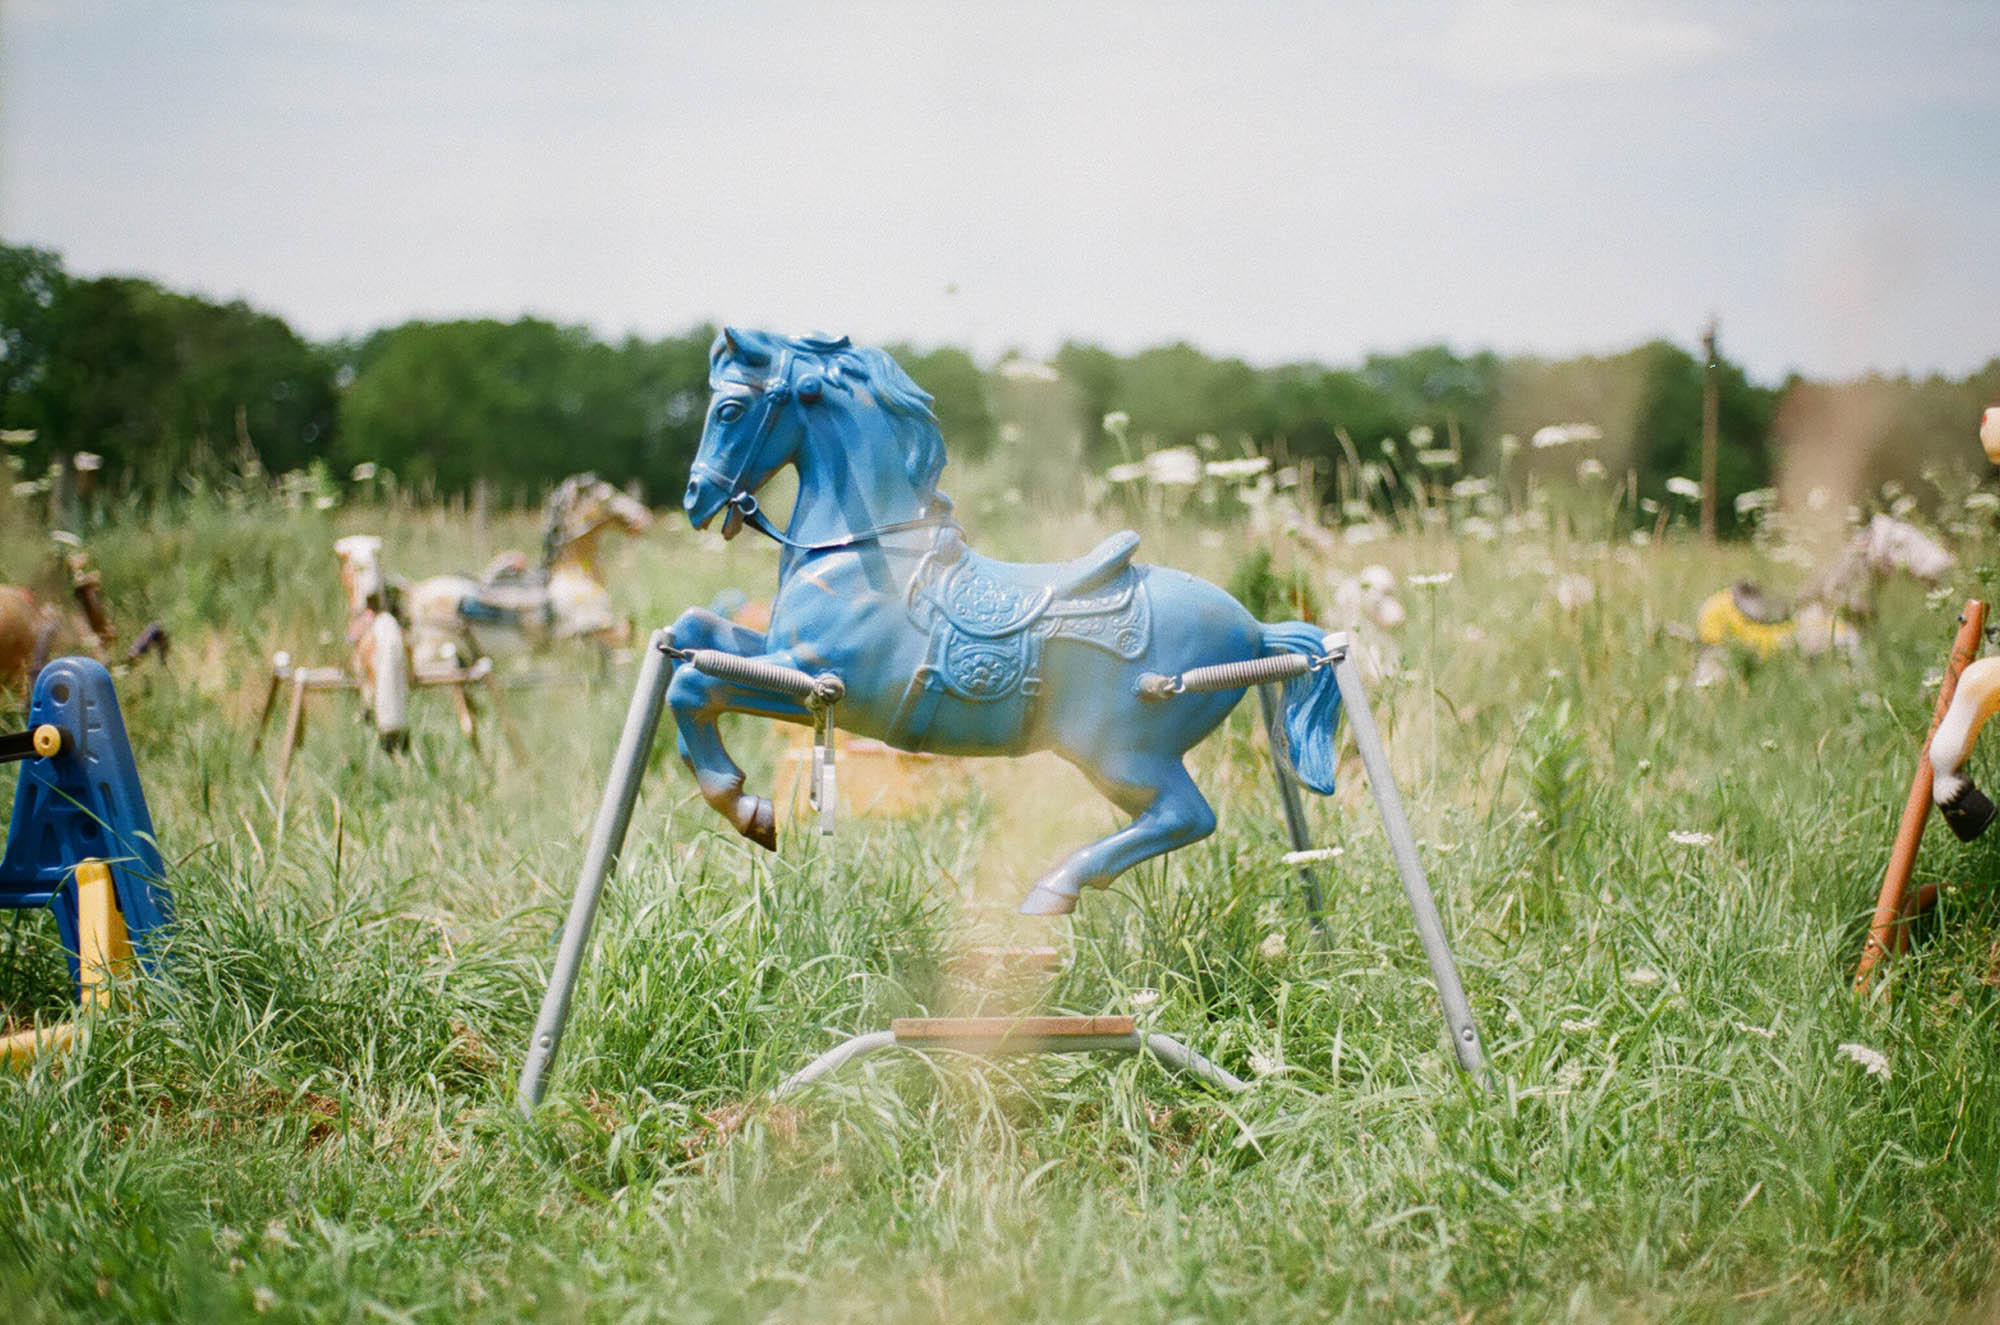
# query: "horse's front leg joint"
[[695, 704]]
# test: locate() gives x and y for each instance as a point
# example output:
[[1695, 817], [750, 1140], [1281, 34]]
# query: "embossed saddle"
[[988, 620]]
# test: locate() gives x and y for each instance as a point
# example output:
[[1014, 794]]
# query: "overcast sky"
[[1274, 180]]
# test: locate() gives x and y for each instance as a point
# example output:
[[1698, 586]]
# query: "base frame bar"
[[994, 1037]]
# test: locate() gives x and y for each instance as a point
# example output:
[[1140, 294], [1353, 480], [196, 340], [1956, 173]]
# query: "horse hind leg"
[[1170, 812]]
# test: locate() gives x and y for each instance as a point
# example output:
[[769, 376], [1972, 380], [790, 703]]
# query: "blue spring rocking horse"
[[942, 649], [1117, 666]]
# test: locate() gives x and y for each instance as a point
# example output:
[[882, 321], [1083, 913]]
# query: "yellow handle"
[[48, 740]]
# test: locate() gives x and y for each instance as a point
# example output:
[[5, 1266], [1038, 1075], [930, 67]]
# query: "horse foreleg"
[[1171, 812], [697, 700]]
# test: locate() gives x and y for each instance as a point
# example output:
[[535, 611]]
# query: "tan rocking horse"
[[33, 630], [512, 609]]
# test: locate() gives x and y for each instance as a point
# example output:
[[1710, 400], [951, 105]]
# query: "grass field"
[[310, 1115]]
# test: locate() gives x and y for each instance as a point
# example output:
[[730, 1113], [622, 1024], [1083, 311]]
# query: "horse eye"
[[729, 411]]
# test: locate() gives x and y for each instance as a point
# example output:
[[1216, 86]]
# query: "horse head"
[[584, 504], [360, 570], [771, 394]]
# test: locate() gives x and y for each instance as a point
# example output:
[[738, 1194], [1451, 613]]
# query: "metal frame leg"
[[1295, 810], [1403, 846], [607, 836]]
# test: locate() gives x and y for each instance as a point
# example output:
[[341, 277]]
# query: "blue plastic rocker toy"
[[81, 840]]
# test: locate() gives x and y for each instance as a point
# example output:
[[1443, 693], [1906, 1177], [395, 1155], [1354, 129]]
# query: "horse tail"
[[1311, 704]]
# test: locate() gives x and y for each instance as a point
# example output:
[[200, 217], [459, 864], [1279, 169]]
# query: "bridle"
[[776, 392]]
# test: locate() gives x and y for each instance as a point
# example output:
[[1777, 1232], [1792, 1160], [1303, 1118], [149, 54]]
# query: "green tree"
[[959, 397]]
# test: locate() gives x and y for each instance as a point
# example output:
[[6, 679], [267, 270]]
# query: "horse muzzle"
[[703, 502], [1968, 810]]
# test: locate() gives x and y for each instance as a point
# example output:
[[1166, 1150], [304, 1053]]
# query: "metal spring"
[[826, 688], [1228, 676]]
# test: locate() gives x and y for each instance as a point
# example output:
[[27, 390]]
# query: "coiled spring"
[[820, 691], [1228, 676]]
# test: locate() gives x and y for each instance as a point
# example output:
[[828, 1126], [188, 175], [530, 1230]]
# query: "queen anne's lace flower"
[[1872, 1061]]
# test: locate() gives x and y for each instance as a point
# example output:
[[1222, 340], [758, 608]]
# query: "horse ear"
[[742, 344]]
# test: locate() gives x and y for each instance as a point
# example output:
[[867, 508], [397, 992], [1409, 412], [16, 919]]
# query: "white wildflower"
[[1687, 837], [1756, 499], [1468, 489], [1642, 977], [1983, 501], [1247, 467], [263, 1298], [1590, 468], [1273, 948], [1571, 1076], [1438, 458], [277, 1235], [1145, 998], [1579, 1025], [1019, 369], [1263, 1064], [1761, 1032], [1565, 434], [1422, 435], [1436, 577], [1363, 533], [364, 471], [1509, 444], [1680, 486], [1872, 1061], [1311, 855], [1574, 591], [1116, 422], [228, 1239], [1473, 635]]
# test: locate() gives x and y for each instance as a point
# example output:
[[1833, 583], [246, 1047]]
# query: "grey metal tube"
[[1166, 1048], [1294, 806], [1181, 1058], [1403, 846], [832, 1059], [607, 835]]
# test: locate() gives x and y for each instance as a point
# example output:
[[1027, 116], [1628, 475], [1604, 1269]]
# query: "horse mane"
[[855, 368], [554, 511]]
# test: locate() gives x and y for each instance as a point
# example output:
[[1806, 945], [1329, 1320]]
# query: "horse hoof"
[[1042, 901], [761, 823], [395, 743]]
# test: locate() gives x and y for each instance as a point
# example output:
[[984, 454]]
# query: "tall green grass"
[[309, 1114]]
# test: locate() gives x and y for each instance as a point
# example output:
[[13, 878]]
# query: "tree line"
[[168, 387]]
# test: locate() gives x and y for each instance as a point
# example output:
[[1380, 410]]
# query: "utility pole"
[[1709, 427]]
